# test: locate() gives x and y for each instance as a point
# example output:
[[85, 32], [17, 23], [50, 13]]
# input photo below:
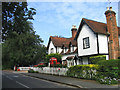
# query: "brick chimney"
[[74, 31], [113, 43]]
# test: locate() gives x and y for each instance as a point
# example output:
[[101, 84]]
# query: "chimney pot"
[[73, 26], [107, 8], [110, 8]]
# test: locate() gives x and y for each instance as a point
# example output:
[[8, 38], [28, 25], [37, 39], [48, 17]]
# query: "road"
[[16, 80]]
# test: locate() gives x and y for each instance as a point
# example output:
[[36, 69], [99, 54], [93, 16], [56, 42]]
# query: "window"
[[86, 43], [52, 50]]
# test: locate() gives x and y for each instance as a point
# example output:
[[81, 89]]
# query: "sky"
[[57, 18]]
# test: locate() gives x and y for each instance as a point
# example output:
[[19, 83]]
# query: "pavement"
[[79, 83]]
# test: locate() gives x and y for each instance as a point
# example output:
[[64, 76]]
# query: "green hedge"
[[41, 66], [95, 59], [83, 71], [108, 71], [105, 71], [59, 65]]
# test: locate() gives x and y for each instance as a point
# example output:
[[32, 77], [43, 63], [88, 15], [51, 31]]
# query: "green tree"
[[20, 43], [56, 55]]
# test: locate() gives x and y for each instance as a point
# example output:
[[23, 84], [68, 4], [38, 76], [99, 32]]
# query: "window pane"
[[86, 43]]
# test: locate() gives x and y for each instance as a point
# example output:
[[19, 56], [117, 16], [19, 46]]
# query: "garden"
[[103, 71]]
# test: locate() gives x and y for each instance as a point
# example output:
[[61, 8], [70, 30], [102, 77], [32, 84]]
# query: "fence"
[[47, 70], [50, 70]]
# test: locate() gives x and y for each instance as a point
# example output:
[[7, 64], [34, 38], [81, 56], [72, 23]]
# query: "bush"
[[95, 59], [36, 71], [108, 71], [31, 71], [83, 71], [41, 66], [105, 71], [56, 55], [58, 65]]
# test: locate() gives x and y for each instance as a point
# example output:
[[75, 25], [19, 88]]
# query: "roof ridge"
[[94, 21]]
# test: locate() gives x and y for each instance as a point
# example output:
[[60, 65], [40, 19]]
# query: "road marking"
[[9, 78], [22, 84]]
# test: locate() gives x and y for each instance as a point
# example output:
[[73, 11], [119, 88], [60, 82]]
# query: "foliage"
[[41, 66], [31, 71], [56, 55], [82, 71], [95, 59], [108, 71], [20, 43], [105, 71], [59, 65]]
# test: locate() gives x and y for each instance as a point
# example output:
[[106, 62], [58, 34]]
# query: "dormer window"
[[52, 50]]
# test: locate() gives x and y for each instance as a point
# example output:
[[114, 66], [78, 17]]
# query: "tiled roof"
[[69, 58], [59, 41], [97, 27]]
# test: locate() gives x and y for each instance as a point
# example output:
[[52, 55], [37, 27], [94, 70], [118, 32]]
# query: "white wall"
[[85, 60], [87, 32], [59, 49], [51, 46], [103, 44]]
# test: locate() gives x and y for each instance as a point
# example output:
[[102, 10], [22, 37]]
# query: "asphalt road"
[[16, 80]]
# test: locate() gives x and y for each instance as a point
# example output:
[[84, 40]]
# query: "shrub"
[[95, 59], [105, 71], [41, 66], [56, 55], [36, 72], [82, 71], [31, 71], [108, 71], [58, 65]]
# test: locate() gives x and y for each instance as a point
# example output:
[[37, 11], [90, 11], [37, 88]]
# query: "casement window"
[[86, 43], [52, 50]]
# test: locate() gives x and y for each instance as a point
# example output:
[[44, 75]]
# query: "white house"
[[67, 47], [93, 38]]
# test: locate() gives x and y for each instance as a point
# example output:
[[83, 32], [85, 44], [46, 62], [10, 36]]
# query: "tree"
[[15, 16], [56, 55], [20, 43]]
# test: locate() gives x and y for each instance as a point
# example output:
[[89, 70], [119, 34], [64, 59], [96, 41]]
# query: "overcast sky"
[[57, 18]]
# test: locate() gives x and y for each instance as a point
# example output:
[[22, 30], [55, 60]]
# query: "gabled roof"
[[60, 41], [96, 27]]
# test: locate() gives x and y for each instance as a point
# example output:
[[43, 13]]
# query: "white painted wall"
[[85, 60], [59, 50], [103, 44], [87, 32], [65, 50], [51, 46]]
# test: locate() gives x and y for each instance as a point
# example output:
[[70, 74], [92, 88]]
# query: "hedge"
[[95, 59], [108, 71], [105, 71], [83, 71]]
